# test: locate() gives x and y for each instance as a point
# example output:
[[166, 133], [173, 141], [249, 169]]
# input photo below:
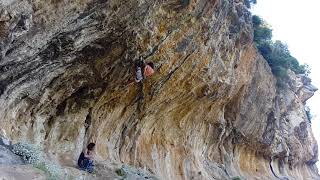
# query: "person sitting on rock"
[[85, 161]]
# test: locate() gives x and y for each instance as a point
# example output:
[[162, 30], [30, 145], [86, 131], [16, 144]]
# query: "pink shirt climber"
[[148, 71]]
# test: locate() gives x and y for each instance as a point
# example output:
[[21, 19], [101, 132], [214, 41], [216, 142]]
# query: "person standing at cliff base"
[[85, 161]]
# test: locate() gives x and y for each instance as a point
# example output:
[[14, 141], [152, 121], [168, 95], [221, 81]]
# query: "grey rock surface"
[[8, 158], [21, 172]]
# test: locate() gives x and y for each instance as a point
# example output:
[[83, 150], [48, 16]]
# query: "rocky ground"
[[12, 167], [20, 172]]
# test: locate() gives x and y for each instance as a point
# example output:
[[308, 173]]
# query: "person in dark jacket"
[[85, 161]]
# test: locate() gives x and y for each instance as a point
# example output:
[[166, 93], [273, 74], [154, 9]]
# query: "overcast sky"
[[297, 23]]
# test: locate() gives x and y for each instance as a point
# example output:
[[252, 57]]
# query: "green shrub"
[[276, 53], [33, 155], [236, 178], [120, 172], [29, 153], [262, 33], [249, 2], [265, 49], [256, 21]]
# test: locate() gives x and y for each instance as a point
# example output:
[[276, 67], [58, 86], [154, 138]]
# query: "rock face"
[[8, 158], [211, 111]]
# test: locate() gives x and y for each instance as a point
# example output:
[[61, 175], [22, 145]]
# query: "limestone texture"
[[212, 109]]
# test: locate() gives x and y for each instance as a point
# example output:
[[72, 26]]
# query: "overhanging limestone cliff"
[[211, 111]]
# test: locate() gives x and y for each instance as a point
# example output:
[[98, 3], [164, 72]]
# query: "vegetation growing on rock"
[[276, 53], [33, 155], [248, 3], [29, 153]]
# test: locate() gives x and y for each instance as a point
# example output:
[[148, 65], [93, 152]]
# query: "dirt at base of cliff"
[[12, 167]]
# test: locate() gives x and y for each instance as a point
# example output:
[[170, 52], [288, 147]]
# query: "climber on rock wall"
[[138, 71], [142, 71], [148, 70]]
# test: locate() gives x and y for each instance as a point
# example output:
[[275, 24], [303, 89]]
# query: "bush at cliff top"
[[276, 53], [249, 2]]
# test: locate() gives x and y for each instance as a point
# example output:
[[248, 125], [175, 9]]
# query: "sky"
[[297, 23]]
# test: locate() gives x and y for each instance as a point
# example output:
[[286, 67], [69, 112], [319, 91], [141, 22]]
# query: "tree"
[[262, 34], [249, 2], [265, 49], [276, 53], [256, 21]]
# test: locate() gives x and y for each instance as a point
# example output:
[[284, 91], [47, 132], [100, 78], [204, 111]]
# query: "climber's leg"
[[139, 75]]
